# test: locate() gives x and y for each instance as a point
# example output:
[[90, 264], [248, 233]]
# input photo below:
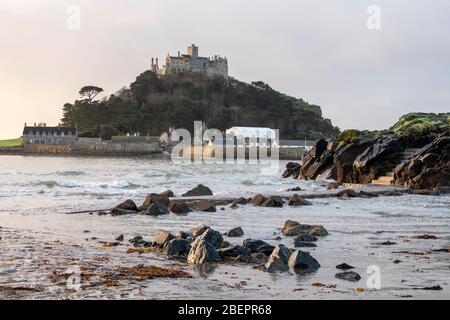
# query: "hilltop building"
[[41, 134], [191, 62]]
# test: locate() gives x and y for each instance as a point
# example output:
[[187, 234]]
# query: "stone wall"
[[95, 147], [116, 148], [46, 148]]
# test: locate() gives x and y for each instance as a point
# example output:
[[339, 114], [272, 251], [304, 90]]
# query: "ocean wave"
[[89, 185], [248, 183], [71, 173]]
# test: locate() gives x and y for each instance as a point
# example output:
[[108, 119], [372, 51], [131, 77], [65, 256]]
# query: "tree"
[[90, 92], [107, 131]]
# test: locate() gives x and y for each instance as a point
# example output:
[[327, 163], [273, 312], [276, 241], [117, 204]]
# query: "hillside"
[[422, 123], [151, 105]]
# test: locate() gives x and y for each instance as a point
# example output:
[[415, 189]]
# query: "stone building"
[[192, 63], [41, 134]]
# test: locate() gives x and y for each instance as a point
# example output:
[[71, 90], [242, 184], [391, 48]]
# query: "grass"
[[11, 142]]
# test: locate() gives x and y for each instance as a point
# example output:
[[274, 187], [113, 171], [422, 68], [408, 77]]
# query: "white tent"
[[249, 132], [269, 135]]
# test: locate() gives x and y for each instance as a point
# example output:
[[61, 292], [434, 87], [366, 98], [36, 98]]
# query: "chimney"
[[45, 125], [157, 62], [179, 54], [153, 60], [35, 124], [25, 124]]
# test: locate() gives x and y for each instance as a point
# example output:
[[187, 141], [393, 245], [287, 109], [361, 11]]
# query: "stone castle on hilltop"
[[191, 62]]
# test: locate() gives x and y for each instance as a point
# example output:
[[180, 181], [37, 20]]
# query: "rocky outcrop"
[[292, 170], [198, 191], [364, 159], [429, 168]]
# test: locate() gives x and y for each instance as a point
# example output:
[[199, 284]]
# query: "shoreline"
[[82, 240]]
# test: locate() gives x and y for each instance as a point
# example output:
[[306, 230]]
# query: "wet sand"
[[39, 253]]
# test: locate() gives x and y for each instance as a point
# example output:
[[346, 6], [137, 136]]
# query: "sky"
[[321, 51]]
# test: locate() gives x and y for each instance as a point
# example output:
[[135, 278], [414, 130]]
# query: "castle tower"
[[193, 51]]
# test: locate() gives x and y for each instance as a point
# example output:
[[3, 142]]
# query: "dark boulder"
[[376, 159], [292, 170], [177, 248], [202, 252], [303, 244], [258, 246], [205, 205], [240, 253], [349, 193], [156, 209], [198, 231], [301, 260], [258, 200], [213, 237], [273, 202], [305, 238], [180, 208], [168, 193], [297, 201], [162, 237], [349, 276], [345, 157], [183, 235], [366, 194], [235, 232], [344, 266], [127, 205], [198, 191], [155, 198], [429, 168], [136, 239], [278, 260], [293, 228], [122, 212]]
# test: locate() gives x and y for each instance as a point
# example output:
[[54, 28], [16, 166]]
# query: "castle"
[[192, 63]]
